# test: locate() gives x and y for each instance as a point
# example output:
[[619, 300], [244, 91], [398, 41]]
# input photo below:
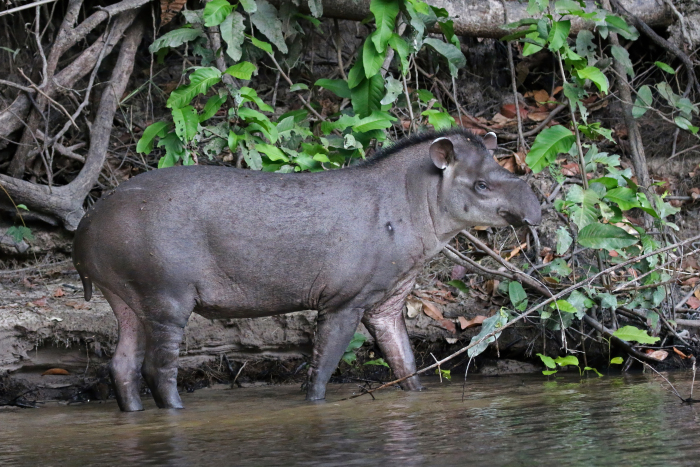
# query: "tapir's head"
[[474, 189]]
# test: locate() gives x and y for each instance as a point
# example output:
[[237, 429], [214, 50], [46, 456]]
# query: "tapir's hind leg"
[[160, 364], [335, 330], [125, 367]]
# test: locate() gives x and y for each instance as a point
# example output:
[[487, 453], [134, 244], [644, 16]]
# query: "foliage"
[[350, 355]]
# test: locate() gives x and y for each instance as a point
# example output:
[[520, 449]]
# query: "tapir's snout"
[[523, 207]]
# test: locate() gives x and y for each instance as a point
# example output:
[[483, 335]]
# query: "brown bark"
[[484, 18]]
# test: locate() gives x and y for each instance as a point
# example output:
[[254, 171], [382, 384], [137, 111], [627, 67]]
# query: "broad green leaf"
[[200, 82], [298, 87], [378, 361], [618, 25], [665, 67], [625, 197], [535, 7], [145, 144], [548, 361], [559, 267], [439, 120], [584, 212], [563, 305], [23, 207], [453, 55], [253, 115], [588, 368], [261, 44], [377, 120], [349, 358], [608, 300], [216, 11], [621, 55], [367, 95], [19, 233], [558, 34], [517, 295], [567, 6], [252, 158], [249, 94], [316, 8], [193, 16], [402, 49], [385, 12], [249, 6], [393, 89], [584, 44], [338, 86], [564, 240], [371, 59], [596, 76], [550, 142], [242, 70], [617, 361], [605, 236], [643, 101], [549, 372], [489, 325], [232, 32], [357, 340], [186, 121], [273, 152], [175, 38], [266, 21], [566, 361], [212, 106], [580, 302], [633, 334], [460, 285], [684, 124], [533, 43]]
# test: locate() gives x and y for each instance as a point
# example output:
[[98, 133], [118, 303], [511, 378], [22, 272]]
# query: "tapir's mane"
[[389, 149]]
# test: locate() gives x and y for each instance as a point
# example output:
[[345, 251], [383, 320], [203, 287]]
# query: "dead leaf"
[[432, 310], [550, 280], [508, 163], [39, 302], [548, 258], [55, 371], [449, 325], [500, 119], [697, 293], [481, 227], [515, 252], [693, 303], [571, 169], [520, 163], [657, 354], [537, 116], [458, 272], [58, 292], [691, 281], [540, 96], [557, 90], [681, 354], [26, 283], [613, 253], [508, 111], [413, 307], [490, 286], [169, 9], [465, 323], [77, 305]]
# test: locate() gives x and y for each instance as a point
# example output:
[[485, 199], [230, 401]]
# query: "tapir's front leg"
[[334, 332], [386, 324]]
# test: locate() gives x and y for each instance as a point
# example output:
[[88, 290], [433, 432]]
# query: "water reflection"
[[627, 419]]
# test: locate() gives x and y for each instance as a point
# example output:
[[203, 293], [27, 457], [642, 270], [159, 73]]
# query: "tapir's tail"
[[87, 287]]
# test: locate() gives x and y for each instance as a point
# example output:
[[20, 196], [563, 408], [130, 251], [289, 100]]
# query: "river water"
[[512, 420]]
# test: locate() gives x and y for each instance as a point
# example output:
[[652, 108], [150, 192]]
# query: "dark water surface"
[[514, 420]]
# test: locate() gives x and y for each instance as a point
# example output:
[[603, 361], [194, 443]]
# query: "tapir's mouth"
[[514, 219]]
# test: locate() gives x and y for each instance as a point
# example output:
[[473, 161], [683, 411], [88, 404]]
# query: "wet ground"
[[513, 420]]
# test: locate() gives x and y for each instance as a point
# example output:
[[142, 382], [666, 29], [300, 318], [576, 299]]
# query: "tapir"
[[231, 243]]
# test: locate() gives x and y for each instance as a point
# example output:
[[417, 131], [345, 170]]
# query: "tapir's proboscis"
[[231, 243]]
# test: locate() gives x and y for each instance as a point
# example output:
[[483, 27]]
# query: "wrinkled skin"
[[229, 243]]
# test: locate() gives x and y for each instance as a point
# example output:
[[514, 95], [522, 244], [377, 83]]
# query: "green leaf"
[[402, 49], [249, 94], [548, 361], [549, 372], [605, 236], [588, 368], [625, 197], [665, 67], [517, 295], [559, 267], [272, 152], [619, 26], [349, 358], [584, 44], [608, 300], [377, 120], [684, 124], [489, 325], [564, 240], [216, 11], [584, 212], [266, 21], [19, 233], [566, 361], [621, 55], [563, 305], [175, 38], [338, 86], [186, 122], [461, 286], [617, 361], [298, 87], [242, 70], [200, 82], [367, 95], [249, 6], [393, 89], [596, 76], [643, 101], [145, 144], [371, 59], [439, 120], [580, 302], [212, 106], [633, 334], [357, 340], [23, 207], [558, 34], [453, 55], [261, 44], [316, 9], [378, 361], [385, 12], [550, 142], [252, 158], [233, 34]]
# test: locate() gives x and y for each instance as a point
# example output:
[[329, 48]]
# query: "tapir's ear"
[[490, 141], [442, 152]]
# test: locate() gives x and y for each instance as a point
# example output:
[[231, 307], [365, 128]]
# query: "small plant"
[[350, 355]]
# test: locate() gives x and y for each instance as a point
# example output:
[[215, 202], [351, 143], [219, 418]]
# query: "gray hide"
[[230, 243]]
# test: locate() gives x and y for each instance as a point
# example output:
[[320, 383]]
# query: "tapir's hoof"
[[412, 384], [315, 395], [133, 406]]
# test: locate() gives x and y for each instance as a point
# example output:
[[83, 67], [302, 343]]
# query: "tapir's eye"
[[481, 186]]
